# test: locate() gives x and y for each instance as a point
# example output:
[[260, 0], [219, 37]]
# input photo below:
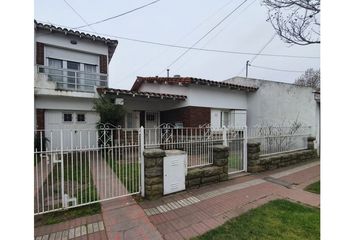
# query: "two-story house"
[[69, 66]]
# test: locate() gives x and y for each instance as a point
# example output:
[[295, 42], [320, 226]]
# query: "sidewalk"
[[194, 212]]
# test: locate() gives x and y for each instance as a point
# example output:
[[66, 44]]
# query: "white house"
[[71, 70], [69, 66], [281, 104]]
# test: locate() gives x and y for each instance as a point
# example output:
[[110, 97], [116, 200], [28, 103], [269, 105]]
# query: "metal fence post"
[[224, 136], [63, 198], [245, 138], [142, 170]]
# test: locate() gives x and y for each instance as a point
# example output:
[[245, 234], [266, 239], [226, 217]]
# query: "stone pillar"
[[253, 150], [310, 143], [221, 158], [153, 173]]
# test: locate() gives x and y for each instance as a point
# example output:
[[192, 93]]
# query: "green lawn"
[[234, 162], [72, 213], [128, 174], [314, 187], [78, 183], [279, 219]]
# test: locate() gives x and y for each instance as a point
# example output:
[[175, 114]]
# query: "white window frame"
[[222, 118], [133, 119], [65, 68]]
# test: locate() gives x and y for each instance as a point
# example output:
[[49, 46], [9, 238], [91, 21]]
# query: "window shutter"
[[40, 53], [103, 64]]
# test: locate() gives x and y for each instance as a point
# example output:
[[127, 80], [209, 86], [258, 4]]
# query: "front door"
[[152, 122]]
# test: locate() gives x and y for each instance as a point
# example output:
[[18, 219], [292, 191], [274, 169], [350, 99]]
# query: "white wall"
[[63, 41], [63, 103], [202, 96], [279, 103]]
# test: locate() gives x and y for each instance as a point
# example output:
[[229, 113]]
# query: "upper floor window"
[[75, 75], [55, 75]]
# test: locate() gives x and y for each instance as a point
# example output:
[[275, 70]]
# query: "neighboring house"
[[69, 66], [184, 102], [281, 104]]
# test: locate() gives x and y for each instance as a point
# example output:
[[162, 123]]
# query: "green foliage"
[[314, 187], [279, 219], [65, 215], [109, 112], [40, 141]]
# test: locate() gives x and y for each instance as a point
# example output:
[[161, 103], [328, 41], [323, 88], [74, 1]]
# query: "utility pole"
[[247, 65]]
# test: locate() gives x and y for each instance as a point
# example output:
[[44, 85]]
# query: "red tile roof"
[[140, 94], [186, 81], [112, 44]]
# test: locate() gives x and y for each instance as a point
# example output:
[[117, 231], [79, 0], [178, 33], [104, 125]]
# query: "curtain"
[[55, 75]]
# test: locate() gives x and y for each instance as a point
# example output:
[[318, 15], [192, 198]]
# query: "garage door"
[[78, 129]]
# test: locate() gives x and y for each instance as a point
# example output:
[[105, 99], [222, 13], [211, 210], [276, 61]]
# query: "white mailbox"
[[174, 171]]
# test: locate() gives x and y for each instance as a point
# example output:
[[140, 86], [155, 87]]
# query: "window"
[[225, 118], [132, 119], [80, 117], [129, 120], [68, 117], [90, 77], [55, 75], [73, 76], [150, 116]]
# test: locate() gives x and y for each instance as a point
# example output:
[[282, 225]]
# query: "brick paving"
[[123, 218], [230, 199], [88, 227]]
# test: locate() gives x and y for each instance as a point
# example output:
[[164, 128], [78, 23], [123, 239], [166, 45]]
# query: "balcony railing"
[[68, 79]]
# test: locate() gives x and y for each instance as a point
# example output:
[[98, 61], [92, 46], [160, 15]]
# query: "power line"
[[265, 45], [117, 16], [257, 54], [213, 37], [193, 48], [206, 34], [78, 14], [276, 69], [180, 39]]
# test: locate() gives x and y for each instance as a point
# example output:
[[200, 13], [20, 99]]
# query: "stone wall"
[[209, 174], [153, 171], [153, 165], [257, 163]]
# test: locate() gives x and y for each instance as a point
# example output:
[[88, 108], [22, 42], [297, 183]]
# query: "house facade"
[[69, 66], [282, 104], [71, 71], [183, 102]]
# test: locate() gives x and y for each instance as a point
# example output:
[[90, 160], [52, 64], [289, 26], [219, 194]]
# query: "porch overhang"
[[122, 92]]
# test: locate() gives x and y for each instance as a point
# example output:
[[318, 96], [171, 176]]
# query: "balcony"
[[73, 80]]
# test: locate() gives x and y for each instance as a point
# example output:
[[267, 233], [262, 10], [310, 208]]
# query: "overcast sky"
[[183, 22]]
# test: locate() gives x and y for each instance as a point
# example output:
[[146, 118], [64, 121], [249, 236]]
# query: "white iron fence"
[[236, 140], [79, 167], [279, 139], [198, 143]]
